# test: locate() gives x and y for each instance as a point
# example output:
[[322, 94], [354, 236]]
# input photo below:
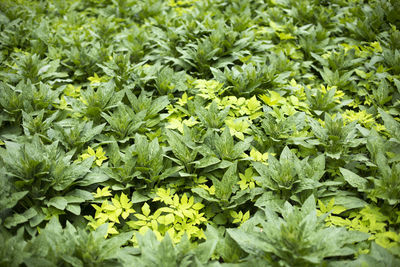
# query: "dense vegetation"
[[199, 133]]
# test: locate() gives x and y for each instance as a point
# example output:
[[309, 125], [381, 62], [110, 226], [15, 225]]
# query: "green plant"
[[369, 219], [76, 246], [46, 180], [289, 176], [206, 126], [336, 137], [225, 147], [299, 237], [180, 216]]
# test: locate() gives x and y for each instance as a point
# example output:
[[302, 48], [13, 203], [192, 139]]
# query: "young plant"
[[225, 147], [124, 122], [290, 176], [298, 237], [152, 108], [178, 217], [141, 165], [49, 177], [335, 136], [76, 246], [72, 133], [93, 103]]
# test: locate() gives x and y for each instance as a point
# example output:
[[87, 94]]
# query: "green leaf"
[[9, 201], [391, 124], [94, 177], [354, 180], [58, 202], [204, 194], [206, 162], [180, 150], [224, 188], [377, 256], [205, 250], [248, 242], [74, 208], [137, 197], [350, 202], [157, 105], [146, 209], [20, 218]]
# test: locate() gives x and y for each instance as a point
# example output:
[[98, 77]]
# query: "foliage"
[[199, 133], [299, 237]]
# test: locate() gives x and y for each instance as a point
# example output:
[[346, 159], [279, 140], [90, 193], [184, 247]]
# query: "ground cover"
[[199, 133]]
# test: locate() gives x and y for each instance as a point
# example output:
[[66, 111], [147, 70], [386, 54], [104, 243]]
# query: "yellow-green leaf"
[[146, 209], [105, 192]]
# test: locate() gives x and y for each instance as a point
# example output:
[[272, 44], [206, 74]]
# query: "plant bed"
[[199, 133]]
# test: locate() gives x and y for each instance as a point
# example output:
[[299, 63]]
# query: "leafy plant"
[[334, 136], [25, 96], [181, 216], [74, 134], [298, 238], [197, 133], [277, 129], [109, 212], [212, 117], [144, 161], [124, 122], [369, 220], [31, 67], [290, 176], [93, 103], [164, 253], [151, 108], [76, 246], [46, 180], [13, 252], [225, 147]]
